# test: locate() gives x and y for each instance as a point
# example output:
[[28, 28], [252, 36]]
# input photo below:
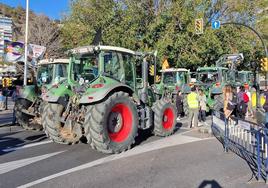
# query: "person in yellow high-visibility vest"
[[192, 100]]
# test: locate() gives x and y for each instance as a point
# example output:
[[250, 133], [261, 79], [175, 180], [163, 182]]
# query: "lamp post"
[[26, 44]]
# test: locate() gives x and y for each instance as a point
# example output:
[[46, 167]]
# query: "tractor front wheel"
[[113, 124], [164, 118], [22, 118], [56, 130]]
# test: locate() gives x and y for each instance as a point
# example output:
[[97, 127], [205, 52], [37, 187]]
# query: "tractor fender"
[[28, 92], [54, 94], [96, 94]]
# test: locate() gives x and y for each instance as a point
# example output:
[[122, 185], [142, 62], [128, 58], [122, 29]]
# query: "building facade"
[[6, 31]]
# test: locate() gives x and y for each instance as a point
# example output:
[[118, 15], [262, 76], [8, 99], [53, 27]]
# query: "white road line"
[[26, 146], [4, 140], [9, 166], [174, 140]]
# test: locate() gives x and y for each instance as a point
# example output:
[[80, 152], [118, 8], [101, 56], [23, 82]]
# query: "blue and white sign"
[[216, 24]]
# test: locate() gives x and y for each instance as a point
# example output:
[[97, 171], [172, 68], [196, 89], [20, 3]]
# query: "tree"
[[44, 32]]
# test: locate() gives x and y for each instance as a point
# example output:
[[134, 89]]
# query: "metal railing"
[[247, 139]]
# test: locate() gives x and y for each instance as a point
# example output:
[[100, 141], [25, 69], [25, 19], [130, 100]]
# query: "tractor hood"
[[100, 88]]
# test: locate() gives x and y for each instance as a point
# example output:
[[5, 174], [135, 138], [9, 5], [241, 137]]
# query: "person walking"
[[249, 103], [192, 100], [203, 106], [242, 100], [179, 105], [2, 101], [229, 103], [15, 95]]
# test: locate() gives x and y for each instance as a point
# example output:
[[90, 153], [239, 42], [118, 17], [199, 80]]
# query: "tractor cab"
[[245, 77]]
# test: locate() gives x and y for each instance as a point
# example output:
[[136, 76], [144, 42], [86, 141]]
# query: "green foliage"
[[167, 26]]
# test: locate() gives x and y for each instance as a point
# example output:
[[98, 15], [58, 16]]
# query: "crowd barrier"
[[247, 139]]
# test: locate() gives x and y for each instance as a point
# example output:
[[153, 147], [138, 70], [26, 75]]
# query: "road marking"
[[173, 140], [4, 140], [9, 166], [27, 146]]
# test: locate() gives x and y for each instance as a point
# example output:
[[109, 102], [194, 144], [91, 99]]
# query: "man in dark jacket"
[[241, 104], [179, 105]]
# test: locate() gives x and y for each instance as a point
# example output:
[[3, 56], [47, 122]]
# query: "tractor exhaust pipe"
[[144, 96]]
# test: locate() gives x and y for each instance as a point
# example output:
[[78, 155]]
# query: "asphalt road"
[[185, 159]]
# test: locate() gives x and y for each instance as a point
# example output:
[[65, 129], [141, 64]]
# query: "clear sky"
[[52, 8]]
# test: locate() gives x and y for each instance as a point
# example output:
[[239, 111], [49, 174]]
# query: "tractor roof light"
[[218, 84]]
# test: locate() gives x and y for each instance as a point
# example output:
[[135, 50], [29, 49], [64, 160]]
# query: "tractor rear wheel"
[[164, 118], [185, 106], [113, 124], [55, 129], [22, 118], [218, 102]]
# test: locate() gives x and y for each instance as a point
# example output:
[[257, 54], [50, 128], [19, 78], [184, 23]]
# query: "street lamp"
[[26, 44]]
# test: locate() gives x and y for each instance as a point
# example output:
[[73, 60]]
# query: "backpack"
[[245, 98], [242, 107]]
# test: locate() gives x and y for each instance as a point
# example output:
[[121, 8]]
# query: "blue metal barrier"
[[247, 139]]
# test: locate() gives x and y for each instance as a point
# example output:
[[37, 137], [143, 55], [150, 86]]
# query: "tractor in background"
[[110, 100], [30, 101], [174, 80], [212, 80]]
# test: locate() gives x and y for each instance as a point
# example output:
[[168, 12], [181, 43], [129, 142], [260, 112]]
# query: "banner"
[[37, 51], [13, 51]]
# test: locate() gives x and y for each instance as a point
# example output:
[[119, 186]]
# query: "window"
[[129, 62], [112, 65]]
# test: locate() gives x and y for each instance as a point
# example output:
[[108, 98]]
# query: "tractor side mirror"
[[140, 83]]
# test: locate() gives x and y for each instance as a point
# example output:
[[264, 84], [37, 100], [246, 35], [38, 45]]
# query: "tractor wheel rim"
[[120, 122], [168, 118]]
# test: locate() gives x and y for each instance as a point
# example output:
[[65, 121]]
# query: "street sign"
[[199, 26], [216, 24]]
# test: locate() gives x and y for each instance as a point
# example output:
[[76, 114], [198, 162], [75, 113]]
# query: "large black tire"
[[22, 118], [185, 106], [218, 103], [165, 115], [54, 128], [113, 124], [87, 123]]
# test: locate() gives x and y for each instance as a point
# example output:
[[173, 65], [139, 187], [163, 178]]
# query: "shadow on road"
[[209, 184], [7, 142], [144, 135]]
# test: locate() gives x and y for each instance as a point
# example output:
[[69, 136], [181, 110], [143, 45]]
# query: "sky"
[[52, 8]]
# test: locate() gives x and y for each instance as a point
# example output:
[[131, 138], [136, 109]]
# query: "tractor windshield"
[[59, 73], [242, 77], [45, 74], [84, 69], [169, 77], [207, 76]]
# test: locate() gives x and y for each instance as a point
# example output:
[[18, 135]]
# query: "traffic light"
[[264, 64], [157, 79], [165, 64], [151, 70], [4, 82], [199, 26], [9, 82]]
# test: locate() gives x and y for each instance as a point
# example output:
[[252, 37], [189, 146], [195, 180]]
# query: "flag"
[[13, 51]]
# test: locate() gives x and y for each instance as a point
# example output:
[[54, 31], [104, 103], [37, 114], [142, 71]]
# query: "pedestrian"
[[242, 100], [2, 101], [229, 103], [249, 103], [203, 106], [192, 100], [179, 105], [14, 97]]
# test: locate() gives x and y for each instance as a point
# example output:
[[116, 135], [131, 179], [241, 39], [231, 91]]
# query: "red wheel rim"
[[168, 119], [126, 119]]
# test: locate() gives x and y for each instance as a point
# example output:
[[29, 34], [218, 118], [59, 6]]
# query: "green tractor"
[[246, 77], [107, 99], [174, 80], [29, 103], [212, 80]]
